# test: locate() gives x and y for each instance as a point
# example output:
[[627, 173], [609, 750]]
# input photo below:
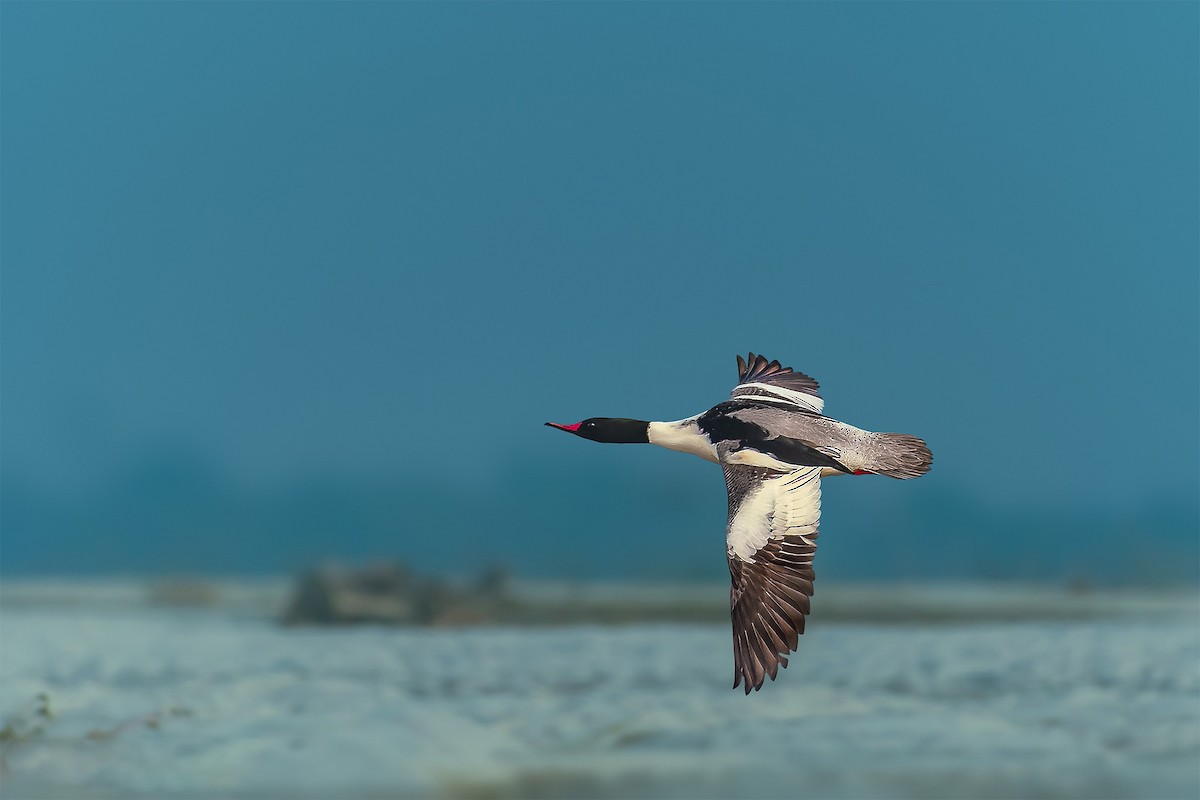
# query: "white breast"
[[683, 435]]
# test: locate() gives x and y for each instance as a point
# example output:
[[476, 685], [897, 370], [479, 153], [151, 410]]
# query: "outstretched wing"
[[769, 380], [770, 542]]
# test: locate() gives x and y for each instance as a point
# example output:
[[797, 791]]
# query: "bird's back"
[[893, 454]]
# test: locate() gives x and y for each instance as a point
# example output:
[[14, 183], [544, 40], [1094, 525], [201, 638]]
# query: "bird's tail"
[[899, 455]]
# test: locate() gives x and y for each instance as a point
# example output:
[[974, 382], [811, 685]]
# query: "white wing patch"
[[789, 505], [769, 392], [749, 457]]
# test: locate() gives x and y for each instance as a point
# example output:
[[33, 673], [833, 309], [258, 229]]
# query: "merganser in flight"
[[774, 445]]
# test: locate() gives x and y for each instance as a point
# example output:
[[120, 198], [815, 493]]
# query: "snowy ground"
[[162, 703]]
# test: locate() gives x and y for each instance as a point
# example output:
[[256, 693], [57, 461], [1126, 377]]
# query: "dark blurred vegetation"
[[391, 593]]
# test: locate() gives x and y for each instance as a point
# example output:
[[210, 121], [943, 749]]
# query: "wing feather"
[[770, 543], [758, 377]]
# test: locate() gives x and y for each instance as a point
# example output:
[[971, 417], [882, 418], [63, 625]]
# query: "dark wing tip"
[[769, 600], [757, 369]]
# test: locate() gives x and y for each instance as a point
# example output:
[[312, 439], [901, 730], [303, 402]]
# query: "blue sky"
[[367, 242]]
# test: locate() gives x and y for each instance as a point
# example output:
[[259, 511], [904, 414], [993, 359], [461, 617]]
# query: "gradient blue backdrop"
[[286, 281]]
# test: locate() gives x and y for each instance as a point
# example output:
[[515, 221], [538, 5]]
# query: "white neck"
[[683, 435]]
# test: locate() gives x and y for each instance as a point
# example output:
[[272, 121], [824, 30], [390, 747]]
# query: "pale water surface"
[[170, 703]]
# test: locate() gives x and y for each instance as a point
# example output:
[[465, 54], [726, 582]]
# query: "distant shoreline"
[[565, 602]]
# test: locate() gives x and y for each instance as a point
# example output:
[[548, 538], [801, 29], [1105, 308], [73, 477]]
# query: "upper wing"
[[758, 377], [770, 542]]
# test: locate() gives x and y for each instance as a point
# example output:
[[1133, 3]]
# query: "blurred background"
[[287, 285]]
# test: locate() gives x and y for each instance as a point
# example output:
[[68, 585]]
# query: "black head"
[[610, 430]]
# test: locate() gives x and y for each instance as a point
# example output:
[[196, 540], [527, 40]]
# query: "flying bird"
[[774, 445]]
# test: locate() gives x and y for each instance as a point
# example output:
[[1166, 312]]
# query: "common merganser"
[[774, 445]]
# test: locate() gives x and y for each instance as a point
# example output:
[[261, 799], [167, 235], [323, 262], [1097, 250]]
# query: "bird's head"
[[609, 430]]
